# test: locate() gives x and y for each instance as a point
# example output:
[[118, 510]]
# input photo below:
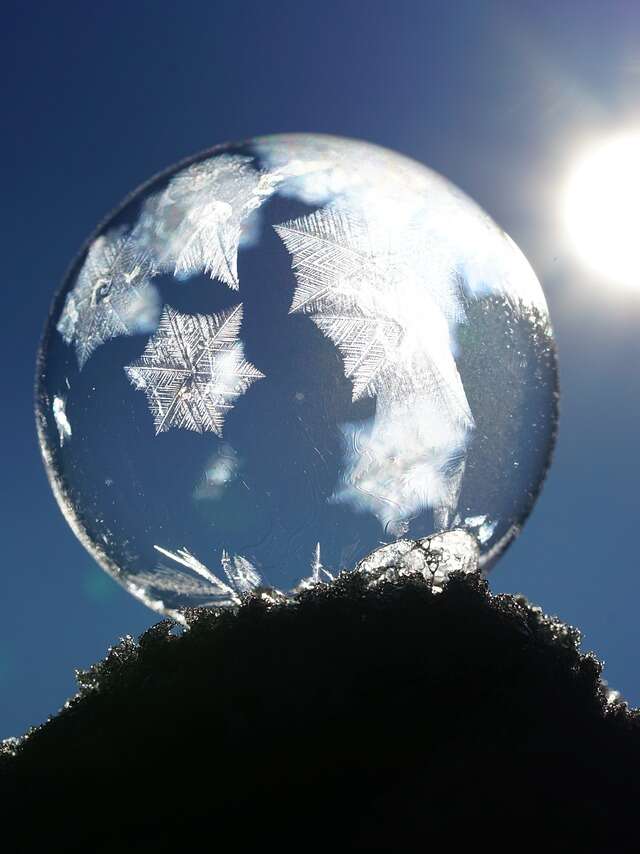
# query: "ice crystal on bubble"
[[166, 580], [364, 283], [195, 582], [319, 574], [192, 370], [60, 416], [196, 224], [241, 573], [435, 558], [112, 295]]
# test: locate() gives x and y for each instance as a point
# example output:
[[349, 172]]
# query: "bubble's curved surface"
[[283, 354]]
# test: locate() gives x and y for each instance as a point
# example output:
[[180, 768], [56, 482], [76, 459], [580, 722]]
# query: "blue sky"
[[498, 97]]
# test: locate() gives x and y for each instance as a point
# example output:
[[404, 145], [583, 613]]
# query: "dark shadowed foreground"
[[389, 718]]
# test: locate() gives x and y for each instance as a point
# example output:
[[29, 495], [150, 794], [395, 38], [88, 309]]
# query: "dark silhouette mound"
[[387, 718]]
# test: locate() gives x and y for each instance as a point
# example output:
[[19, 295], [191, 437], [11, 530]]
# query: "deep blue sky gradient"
[[498, 96]]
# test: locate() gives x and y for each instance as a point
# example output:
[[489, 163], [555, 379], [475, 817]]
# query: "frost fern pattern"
[[194, 580]]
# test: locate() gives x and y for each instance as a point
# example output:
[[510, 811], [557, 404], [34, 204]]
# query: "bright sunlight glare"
[[602, 208]]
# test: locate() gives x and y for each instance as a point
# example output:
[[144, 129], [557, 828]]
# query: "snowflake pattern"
[[361, 281], [331, 254], [365, 279], [192, 370], [340, 278], [112, 295], [367, 345], [197, 223]]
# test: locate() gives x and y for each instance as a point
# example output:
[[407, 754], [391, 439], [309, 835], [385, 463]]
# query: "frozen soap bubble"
[[282, 355]]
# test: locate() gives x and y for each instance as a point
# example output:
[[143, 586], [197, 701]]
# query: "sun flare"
[[602, 208]]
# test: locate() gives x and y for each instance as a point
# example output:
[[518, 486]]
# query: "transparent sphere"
[[280, 355]]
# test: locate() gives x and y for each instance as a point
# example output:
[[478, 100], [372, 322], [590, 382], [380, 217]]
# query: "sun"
[[602, 208]]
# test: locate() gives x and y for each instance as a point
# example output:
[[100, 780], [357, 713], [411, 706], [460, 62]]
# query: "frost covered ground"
[[367, 717]]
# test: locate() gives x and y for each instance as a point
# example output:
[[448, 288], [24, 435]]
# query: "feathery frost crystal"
[[285, 355]]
